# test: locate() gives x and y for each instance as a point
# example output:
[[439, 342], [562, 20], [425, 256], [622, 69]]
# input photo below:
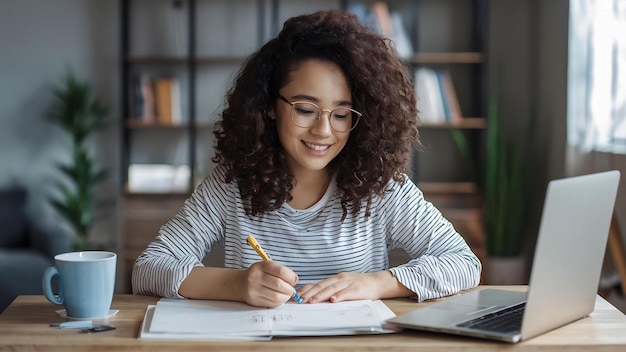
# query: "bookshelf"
[[451, 36], [169, 39], [202, 43]]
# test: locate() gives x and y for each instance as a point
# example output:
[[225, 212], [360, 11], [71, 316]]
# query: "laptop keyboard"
[[504, 321]]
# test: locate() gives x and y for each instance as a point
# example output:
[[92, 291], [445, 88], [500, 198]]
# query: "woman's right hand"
[[267, 284]]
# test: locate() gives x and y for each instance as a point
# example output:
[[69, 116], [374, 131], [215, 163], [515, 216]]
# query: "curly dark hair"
[[378, 149]]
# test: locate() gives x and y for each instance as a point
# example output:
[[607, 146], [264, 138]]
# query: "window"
[[596, 110]]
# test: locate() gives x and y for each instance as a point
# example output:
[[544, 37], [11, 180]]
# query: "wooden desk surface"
[[24, 325]]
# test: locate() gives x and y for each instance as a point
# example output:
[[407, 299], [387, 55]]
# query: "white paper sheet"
[[211, 320], [145, 332]]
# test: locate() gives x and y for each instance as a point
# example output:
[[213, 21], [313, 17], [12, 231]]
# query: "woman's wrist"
[[214, 283], [390, 287]]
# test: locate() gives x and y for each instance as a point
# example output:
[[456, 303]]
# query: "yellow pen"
[[257, 248]]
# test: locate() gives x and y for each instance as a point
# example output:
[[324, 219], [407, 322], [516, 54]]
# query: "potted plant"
[[80, 115], [504, 196], [502, 183], [505, 204]]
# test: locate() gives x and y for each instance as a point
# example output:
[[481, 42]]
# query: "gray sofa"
[[28, 245]]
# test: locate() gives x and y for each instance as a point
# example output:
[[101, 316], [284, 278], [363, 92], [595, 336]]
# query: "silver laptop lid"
[[570, 251]]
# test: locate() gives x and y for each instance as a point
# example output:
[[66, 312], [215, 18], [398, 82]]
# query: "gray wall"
[[528, 72], [40, 40], [529, 66]]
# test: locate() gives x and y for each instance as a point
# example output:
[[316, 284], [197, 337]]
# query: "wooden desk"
[[24, 325]]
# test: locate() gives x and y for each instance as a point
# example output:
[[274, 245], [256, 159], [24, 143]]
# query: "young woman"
[[311, 149]]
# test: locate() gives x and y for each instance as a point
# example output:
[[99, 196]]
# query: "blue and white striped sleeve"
[[442, 263], [182, 242]]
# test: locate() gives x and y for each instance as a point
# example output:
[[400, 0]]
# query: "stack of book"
[[386, 23], [437, 101], [156, 100], [158, 178]]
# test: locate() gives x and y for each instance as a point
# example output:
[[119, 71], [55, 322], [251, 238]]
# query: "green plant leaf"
[[80, 115], [463, 145], [505, 205]]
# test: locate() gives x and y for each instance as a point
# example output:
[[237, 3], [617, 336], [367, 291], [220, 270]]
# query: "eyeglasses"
[[306, 114]]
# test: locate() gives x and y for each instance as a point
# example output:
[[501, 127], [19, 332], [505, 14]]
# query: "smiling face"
[[311, 149]]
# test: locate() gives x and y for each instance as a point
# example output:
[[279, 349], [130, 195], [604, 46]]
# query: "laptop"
[[564, 278]]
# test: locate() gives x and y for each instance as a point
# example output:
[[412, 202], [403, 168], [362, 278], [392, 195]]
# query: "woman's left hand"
[[354, 286]]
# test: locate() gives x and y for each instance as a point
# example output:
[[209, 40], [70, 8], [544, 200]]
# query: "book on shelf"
[[387, 23], [168, 101], [158, 178], [429, 102], [142, 99], [451, 101], [437, 101], [219, 320]]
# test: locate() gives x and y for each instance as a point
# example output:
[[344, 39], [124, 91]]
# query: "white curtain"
[[596, 110]]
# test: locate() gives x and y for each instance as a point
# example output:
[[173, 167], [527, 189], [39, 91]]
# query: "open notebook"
[[218, 320]]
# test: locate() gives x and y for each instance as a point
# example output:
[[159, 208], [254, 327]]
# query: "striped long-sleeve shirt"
[[314, 242]]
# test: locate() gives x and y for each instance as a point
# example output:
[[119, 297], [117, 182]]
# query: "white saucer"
[[111, 313]]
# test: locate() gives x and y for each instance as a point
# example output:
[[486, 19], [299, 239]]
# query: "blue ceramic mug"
[[85, 281]]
